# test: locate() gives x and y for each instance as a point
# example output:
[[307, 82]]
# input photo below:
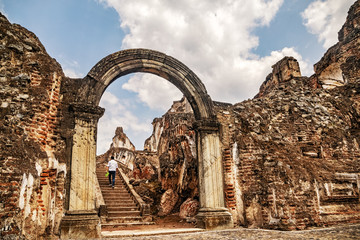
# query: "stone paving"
[[339, 232]]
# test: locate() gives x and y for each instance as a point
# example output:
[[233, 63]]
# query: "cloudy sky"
[[229, 44]]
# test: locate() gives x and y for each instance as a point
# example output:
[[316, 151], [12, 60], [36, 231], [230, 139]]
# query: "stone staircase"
[[123, 209]]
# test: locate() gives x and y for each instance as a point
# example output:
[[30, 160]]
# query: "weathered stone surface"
[[80, 225], [189, 208], [121, 149], [288, 148], [340, 64], [168, 201], [168, 160], [32, 169], [284, 70]]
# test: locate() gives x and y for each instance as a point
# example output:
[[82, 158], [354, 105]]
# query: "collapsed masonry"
[[290, 156], [165, 172]]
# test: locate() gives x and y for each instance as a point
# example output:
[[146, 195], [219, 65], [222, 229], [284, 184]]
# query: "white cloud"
[[72, 73], [117, 115], [213, 38], [325, 18], [70, 67], [153, 90]]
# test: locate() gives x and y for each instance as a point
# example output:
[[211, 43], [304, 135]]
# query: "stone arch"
[[128, 61], [86, 112]]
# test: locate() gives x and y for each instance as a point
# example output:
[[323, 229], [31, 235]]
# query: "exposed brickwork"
[[288, 156], [340, 64], [230, 179], [29, 138]]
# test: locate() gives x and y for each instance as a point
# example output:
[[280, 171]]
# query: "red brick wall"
[[31, 176]]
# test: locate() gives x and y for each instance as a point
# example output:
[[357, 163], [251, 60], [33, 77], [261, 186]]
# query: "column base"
[[214, 218], [80, 224]]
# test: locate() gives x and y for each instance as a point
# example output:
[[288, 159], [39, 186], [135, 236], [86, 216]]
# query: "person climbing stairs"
[[122, 207]]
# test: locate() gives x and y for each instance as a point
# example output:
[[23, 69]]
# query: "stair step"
[[123, 213], [118, 199], [117, 189], [107, 184], [120, 224], [117, 202], [107, 181], [121, 209], [108, 187], [120, 203], [117, 196], [131, 219], [115, 193]]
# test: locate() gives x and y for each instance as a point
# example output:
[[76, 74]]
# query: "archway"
[[86, 112]]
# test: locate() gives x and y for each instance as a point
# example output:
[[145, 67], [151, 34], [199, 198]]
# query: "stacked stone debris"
[[296, 154], [164, 174], [174, 162]]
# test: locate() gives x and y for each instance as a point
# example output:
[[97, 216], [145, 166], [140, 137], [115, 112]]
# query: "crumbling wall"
[[32, 167], [165, 173], [340, 64], [291, 154], [284, 70], [288, 148]]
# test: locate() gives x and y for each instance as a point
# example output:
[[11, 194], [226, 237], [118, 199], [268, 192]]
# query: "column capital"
[[86, 111], [207, 125]]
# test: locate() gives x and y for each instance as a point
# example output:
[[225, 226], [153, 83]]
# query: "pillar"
[[81, 220], [212, 213]]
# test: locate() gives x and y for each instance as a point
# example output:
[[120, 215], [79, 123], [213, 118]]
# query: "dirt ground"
[[168, 222], [344, 232]]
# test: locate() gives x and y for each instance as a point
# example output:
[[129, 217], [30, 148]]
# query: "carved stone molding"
[[207, 125], [87, 112]]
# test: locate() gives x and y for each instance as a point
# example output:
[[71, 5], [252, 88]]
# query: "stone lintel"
[[87, 112], [80, 224], [214, 218], [207, 125]]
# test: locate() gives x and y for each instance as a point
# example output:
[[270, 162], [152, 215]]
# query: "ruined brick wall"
[[284, 70], [32, 170], [294, 154], [340, 64], [168, 165], [291, 155]]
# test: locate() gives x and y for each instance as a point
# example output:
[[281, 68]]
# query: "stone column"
[[81, 220], [212, 214]]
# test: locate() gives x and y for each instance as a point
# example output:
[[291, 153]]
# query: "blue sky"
[[230, 45]]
